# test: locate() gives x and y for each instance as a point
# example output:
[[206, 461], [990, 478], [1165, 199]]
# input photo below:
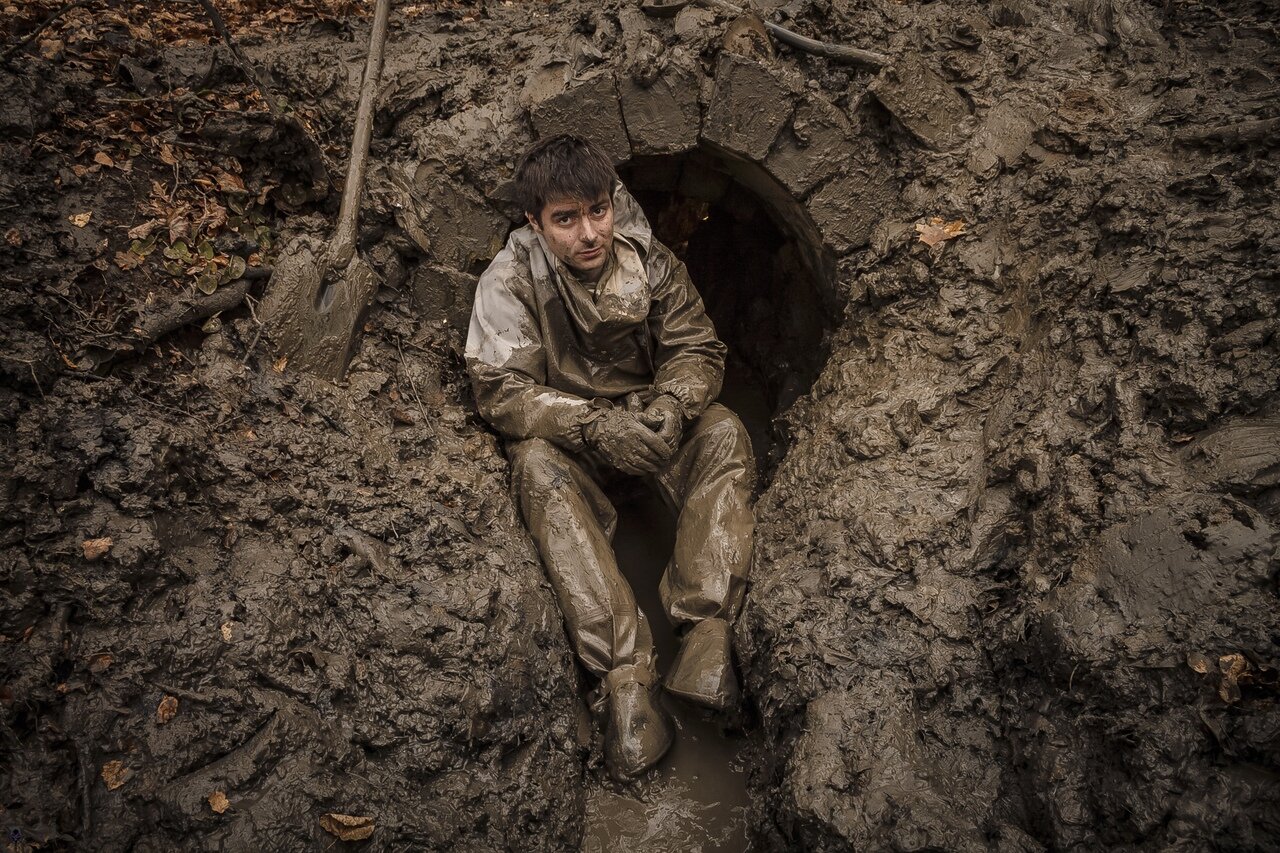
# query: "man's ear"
[[533, 220]]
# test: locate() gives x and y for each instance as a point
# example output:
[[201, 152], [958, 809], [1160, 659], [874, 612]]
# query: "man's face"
[[578, 231]]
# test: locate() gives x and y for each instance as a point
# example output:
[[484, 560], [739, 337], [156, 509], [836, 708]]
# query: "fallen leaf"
[[218, 802], [279, 366], [167, 709], [99, 663], [1198, 662], [104, 159], [226, 632], [115, 774], [80, 220], [143, 231], [400, 416], [228, 182], [14, 237], [347, 827], [936, 230], [128, 260], [166, 155], [95, 548]]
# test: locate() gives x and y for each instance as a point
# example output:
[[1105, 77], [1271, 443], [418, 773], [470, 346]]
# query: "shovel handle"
[[343, 246]]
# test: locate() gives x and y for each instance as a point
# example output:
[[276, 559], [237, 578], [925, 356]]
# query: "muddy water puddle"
[[696, 801]]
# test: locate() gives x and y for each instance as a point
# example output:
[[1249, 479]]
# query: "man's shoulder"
[[511, 266]]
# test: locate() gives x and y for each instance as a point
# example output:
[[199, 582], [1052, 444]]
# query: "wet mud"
[[1016, 564]]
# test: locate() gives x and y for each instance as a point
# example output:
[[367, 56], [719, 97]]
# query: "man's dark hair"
[[564, 166]]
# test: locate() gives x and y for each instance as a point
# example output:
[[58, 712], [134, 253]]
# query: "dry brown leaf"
[[167, 709], [1198, 662], [218, 802], [937, 230], [280, 364], [128, 260], [95, 548], [347, 827], [100, 663], [143, 231], [226, 632], [228, 182], [115, 774], [80, 220], [103, 159], [14, 237], [166, 155]]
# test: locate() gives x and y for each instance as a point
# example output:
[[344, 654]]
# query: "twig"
[[257, 336], [835, 52], [34, 34], [192, 695], [249, 69], [1239, 133]]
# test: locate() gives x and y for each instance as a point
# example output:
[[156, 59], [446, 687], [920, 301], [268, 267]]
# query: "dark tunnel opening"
[[755, 272]]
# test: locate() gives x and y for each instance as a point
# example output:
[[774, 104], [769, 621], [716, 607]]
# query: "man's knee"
[[721, 433], [536, 462]]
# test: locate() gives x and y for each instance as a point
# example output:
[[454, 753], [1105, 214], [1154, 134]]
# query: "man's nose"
[[589, 231]]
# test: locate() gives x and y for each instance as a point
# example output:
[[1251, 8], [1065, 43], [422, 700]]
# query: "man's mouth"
[[591, 254]]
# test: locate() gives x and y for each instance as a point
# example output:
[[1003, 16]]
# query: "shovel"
[[320, 292]]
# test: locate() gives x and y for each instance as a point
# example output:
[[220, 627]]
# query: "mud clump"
[[1016, 572]]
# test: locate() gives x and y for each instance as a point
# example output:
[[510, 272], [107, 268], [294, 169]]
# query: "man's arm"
[[688, 357], [507, 363]]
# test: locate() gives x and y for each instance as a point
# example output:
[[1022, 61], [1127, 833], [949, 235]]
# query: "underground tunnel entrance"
[[761, 280], [757, 278]]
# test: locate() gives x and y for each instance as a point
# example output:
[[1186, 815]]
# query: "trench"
[[756, 275]]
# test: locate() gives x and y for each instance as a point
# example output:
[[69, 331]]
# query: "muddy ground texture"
[[1016, 572]]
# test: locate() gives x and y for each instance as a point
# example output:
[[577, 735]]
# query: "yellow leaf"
[[80, 220], [167, 709], [347, 827], [218, 802], [115, 774], [95, 548]]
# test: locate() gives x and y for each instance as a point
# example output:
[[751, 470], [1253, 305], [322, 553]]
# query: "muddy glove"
[[665, 415], [626, 443]]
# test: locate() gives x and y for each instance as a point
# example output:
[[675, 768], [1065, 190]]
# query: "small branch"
[[1239, 133], [834, 52], [34, 34], [249, 69]]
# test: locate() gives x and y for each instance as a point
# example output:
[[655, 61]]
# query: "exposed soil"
[[1013, 302]]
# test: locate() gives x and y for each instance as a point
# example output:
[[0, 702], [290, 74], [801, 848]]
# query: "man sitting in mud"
[[591, 353]]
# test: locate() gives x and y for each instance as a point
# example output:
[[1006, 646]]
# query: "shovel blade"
[[313, 315]]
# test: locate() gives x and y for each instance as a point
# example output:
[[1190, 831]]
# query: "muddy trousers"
[[708, 482]]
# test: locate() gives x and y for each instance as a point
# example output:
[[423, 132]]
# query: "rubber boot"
[[638, 732], [703, 670]]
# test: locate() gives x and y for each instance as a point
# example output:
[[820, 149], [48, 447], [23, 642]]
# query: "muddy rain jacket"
[[545, 351]]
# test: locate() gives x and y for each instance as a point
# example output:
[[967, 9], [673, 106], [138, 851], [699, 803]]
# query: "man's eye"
[[563, 220], [599, 211]]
